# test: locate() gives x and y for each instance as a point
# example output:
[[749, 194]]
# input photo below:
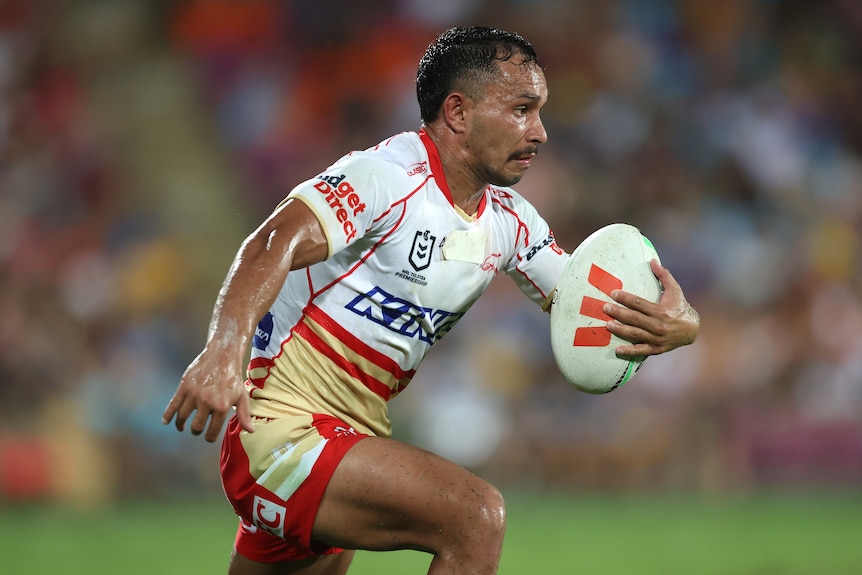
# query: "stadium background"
[[141, 141]]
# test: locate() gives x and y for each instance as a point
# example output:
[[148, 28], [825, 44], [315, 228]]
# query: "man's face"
[[505, 129]]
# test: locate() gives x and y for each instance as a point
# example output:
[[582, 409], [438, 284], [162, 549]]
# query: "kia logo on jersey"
[[420, 252], [401, 316]]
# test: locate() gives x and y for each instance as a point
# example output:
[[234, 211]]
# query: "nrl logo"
[[420, 253]]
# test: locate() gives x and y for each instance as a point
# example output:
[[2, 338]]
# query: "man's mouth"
[[524, 158]]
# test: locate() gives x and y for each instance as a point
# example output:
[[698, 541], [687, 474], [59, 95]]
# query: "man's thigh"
[[387, 495], [275, 479]]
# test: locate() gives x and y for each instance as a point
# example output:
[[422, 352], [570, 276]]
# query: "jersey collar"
[[436, 166]]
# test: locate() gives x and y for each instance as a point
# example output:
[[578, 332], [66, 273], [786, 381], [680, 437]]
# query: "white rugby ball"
[[616, 256]]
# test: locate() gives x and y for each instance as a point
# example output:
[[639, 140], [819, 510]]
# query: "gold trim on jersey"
[[323, 369]]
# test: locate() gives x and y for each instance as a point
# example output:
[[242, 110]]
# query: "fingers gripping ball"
[[616, 256]]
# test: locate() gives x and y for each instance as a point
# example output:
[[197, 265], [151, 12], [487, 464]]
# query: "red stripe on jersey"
[[358, 346], [522, 227], [258, 363], [361, 260], [375, 385], [384, 143], [436, 166]]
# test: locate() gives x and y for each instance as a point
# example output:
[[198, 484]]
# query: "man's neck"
[[465, 188]]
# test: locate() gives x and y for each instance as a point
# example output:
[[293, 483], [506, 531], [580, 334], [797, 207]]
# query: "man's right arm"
[[290, 238]]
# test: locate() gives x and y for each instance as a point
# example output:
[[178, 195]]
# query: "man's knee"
[[494, 510], [486, 513], [474, 539]]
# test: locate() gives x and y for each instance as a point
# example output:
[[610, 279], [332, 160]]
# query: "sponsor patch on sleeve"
[[343, 200]]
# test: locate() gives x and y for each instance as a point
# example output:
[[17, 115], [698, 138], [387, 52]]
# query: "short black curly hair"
[[464, 58]]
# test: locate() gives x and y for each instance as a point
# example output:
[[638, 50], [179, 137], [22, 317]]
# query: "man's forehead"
[[527, 76]]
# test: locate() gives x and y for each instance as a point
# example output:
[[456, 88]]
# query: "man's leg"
[[387, 495], [334, 564]]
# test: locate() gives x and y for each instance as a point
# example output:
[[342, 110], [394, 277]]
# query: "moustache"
[[526, 152]]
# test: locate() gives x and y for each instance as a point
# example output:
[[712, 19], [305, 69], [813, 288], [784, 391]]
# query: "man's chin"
[[509, 180]]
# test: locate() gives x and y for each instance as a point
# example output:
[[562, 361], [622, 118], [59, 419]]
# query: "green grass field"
[[767, 535]]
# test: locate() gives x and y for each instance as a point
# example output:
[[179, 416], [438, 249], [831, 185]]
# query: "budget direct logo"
[[343, 200]]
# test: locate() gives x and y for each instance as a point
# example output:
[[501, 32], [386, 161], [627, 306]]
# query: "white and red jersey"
[[347, 334]]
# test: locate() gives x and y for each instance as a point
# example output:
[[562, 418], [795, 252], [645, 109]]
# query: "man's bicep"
[[298, 225]]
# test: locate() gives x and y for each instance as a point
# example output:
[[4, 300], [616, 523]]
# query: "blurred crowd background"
[[141, 141]]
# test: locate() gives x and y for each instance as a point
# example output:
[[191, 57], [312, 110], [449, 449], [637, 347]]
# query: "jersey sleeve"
[[346, 198], [538, 261]]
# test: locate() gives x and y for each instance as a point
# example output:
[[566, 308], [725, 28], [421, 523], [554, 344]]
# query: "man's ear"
[[455, 109]]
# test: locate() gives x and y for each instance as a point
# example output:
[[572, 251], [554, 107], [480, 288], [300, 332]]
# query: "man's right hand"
[[290, 238], [210, 387]]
